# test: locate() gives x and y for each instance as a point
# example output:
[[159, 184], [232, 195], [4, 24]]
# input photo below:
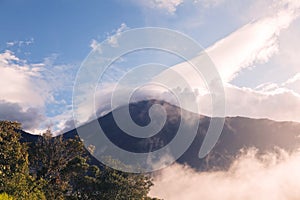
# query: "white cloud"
[[30, 117], [287, 62], [20, 43], [24, 93], [256, 42], [266, 101], [170, 6], [209, 3], [62, 123], [30, 89], [113, 40], [294, 79], [94, 44], [7, 57], [292, 84], [20, 82], [269, 176], [274, 103]]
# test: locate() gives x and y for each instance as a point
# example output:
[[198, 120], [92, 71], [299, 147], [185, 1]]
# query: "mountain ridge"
[[238, 133]]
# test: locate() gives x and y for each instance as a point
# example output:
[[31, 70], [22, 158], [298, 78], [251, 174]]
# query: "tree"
[[5, 196], [109, 183], [59, 169], [118, 185], [63, 164], [50, 159], [15, 179]]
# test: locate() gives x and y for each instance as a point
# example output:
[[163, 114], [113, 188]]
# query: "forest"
[[59, 168]]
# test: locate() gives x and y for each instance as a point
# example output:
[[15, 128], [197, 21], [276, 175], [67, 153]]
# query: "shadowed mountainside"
[[238, 133]]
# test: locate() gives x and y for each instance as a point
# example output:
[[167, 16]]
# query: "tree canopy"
[[58, 168], [15, 178]]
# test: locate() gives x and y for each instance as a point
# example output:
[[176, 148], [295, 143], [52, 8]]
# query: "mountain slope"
[[238, 133]]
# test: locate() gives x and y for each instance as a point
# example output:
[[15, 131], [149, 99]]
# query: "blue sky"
[[42, 44], [63, 27]]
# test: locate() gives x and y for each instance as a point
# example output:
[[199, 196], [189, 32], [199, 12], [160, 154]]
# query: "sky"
[[253, 43]]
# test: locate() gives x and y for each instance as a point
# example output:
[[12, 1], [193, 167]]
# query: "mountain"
[[238, 133]]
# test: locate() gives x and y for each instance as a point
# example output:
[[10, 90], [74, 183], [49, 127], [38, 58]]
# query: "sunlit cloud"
[[29, 89], [255, 42], [22, 81], [251, 176]]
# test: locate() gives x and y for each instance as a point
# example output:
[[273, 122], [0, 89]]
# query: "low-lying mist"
[[274, 175]]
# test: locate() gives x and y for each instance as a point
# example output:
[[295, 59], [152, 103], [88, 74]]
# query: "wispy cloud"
[[20, 43], [292, 80], [113, 40], [94, 44], [256, 42], [169, 6], [208, 3], [292, 84]]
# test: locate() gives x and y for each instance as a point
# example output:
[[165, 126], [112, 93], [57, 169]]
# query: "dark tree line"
[[57, 168]]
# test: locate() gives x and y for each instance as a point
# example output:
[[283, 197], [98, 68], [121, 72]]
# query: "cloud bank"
[[29, 89], [30, 117], [251, 176], [21, 81], [254, 43]]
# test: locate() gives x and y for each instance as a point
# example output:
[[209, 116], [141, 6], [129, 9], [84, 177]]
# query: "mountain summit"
[[238, 133]]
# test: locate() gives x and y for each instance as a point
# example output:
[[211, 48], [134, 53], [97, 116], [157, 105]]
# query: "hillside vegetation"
[[57, 168]]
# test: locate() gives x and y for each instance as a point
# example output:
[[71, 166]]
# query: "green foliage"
[[59, 169], [14, 172], [5, 196], [118, 185], [114, 184], [50, 159]]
